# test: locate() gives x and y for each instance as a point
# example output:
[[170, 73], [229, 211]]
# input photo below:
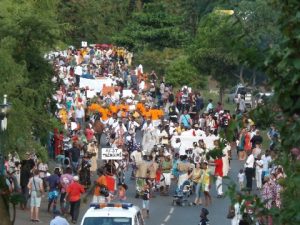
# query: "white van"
[[113, 214]]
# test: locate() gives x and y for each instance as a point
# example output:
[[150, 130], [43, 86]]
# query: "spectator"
[[35, 186], [58, 219]]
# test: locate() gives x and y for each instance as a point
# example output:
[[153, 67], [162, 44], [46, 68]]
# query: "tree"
[[92, 20], [180, 72], [256, 33], [211, 52], [27, 30], [152, 28]]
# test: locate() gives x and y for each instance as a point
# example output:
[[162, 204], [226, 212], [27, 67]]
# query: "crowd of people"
[[169, 139]]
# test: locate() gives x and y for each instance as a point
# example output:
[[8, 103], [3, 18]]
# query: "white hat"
[[76, 178]]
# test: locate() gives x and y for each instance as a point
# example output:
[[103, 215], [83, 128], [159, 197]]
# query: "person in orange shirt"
[[100, 183], [74, 192]]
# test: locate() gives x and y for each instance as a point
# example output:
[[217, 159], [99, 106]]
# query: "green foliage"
[[153, 28], [27, 30], [180, 72], [283, 70], [93, 21], [211, 53], [157, 60]]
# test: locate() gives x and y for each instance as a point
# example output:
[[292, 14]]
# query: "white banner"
[[111, 154], [188, 140], [95, 84]]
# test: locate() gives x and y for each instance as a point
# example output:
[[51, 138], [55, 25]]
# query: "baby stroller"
[[183, 193]]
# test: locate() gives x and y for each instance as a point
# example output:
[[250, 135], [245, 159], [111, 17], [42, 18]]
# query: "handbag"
[[38, 193], [231, 212]]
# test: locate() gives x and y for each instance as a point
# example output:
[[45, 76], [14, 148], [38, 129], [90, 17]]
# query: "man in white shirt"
[[249, 170]]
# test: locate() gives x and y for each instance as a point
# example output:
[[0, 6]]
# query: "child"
[[241, 179], [122, 192], [146, 200], [203, 217]]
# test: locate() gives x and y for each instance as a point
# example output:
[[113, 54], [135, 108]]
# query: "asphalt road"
[[162, 212]]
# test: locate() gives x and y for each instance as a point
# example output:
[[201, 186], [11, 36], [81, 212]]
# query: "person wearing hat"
[[58, 219], [74, 192], [166, 167]]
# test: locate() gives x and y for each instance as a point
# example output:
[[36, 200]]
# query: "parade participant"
[[249, 170], [218, 163], [120, 131], [122, 192], [74, 154], [141, 174], [185, 119], [35, 187], [74, 192], [85, 173], [53, 181], [196, 178], [183, 167], [65, 180], [146, 200], [101, 182], [166, 167], [258, 172], [205, 181], [92, 151], [241, 179], [152, 169]]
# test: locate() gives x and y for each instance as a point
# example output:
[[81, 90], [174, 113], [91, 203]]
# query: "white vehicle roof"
[[113, 210]]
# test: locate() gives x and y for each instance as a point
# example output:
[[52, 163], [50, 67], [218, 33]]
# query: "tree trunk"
[[221, 92], [241, 75], [254, 78], [4, 212]]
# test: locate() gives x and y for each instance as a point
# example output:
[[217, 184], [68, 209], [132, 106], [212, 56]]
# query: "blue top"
[[58, 220]]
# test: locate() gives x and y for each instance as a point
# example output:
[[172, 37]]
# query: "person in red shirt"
[[219, 175], [74, 192]]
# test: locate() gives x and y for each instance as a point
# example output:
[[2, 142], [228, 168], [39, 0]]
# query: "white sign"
[[111, 154], [95, 84], [127, 93], [84, 44]]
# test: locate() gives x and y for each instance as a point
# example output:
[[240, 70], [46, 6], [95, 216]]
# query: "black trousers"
[[75, 206], [249, 175]]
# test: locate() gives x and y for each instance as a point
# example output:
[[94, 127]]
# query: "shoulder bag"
[[38, 192]]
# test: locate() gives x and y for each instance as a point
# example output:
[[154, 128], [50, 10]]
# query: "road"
[[162, 212]]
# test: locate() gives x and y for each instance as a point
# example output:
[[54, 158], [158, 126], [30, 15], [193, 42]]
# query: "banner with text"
[[111, 154]]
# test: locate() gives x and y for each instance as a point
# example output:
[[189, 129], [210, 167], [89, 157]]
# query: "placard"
[[84, 44], [111, 154]]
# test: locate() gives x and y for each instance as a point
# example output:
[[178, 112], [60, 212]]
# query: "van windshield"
[[107, 221]]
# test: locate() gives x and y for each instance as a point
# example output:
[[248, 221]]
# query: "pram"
[[183, 193]]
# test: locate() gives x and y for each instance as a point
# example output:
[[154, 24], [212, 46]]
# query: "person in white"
[[249, 169], [237, 208], [141, 85], [258, 172], [241, 179], [225, 160]]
